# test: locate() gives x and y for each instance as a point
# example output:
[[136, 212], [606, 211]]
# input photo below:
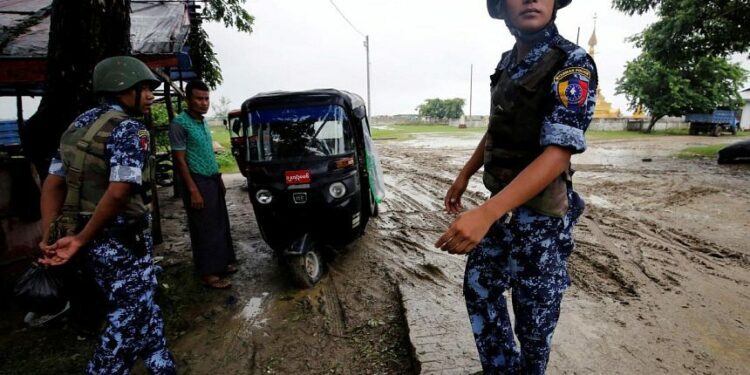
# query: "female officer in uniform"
[[96, 193], [543, 96]]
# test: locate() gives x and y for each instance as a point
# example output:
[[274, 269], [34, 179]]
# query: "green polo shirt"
[[194, 137]]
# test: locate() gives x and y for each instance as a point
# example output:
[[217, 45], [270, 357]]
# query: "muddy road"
[[660, 276]]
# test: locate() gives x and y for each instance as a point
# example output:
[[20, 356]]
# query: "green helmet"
[[119, 73], [497, 10]]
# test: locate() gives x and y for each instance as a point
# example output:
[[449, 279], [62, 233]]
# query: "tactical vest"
[[516, 118], [87, 168]]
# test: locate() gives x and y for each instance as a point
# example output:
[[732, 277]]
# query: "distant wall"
[[471, 122], [601, 124], [625, 123], [745, 121]]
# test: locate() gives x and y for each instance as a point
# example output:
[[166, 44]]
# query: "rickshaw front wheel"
[[307, 268]]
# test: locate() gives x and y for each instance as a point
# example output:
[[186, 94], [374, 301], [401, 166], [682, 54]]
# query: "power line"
[[346, 19], [367, 48]]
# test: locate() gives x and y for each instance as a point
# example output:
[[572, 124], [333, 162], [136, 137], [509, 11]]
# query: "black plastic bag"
[[40, 290]]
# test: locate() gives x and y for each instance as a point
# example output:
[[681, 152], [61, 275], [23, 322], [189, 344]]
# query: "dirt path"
[[660, 279], [660, 275]]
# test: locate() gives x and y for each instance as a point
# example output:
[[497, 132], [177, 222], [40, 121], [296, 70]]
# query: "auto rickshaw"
[[313, 175]]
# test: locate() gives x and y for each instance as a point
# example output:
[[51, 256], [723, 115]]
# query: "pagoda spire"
[[592, 40]]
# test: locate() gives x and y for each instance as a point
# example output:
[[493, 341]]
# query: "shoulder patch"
[[143, 139], [572, 87]]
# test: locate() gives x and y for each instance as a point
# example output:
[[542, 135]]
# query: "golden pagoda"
[[639, 112], [603, 108]]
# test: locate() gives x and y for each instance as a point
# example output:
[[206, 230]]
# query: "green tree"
[[221, 108], [666, 90], [231, 14], [441, 108], [81, 34], [689, 29], [454, 108]]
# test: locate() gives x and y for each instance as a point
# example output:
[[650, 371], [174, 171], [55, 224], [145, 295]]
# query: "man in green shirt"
[[202, 189]]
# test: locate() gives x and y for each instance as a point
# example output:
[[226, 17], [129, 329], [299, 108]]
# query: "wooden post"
[[170, 115], [19, 112], [155, 210]]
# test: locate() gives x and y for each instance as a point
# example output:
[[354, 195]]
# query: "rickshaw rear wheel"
[[307, 268]]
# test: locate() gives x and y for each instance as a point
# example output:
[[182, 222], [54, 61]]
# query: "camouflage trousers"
[[528, 256], [135, 327]]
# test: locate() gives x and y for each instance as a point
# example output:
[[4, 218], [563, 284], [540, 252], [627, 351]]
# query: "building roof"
[[158, 31], [156, 28]]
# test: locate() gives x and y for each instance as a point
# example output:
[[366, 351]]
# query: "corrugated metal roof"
[[156, 28]]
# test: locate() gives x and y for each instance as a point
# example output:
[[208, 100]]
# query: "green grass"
[[624, 134], [226, 161], [404, 132], [709, 151]]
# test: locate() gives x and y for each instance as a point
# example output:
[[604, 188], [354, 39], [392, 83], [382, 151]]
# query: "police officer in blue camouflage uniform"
[[543, 97], [95, 204]]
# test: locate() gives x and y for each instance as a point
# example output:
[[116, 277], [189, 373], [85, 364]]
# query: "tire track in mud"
[[616, 255], [393, 276], [621, 257]]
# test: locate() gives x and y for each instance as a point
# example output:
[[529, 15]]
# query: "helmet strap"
[[138, 98], [526, 37], [135, 110]]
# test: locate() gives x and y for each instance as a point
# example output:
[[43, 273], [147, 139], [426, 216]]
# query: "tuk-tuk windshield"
[[292, 133]]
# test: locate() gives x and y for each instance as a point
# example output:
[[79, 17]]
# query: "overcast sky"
[[419, 49]]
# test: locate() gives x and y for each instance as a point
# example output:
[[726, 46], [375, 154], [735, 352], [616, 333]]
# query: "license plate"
[[297, 177]]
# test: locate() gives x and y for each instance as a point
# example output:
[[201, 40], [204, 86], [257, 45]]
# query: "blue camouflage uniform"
[[526, 251], [136, 328]]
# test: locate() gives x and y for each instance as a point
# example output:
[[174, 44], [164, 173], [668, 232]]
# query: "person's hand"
[[46, 248], [466, 231], [453, 196], [61, 251], [196, 200]]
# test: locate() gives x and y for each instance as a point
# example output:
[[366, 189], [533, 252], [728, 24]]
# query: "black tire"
[[734, 130], [307, 268], [716, 130], [693, 130]]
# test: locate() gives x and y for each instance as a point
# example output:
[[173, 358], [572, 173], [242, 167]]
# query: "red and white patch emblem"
[[143, 139], [573, 87]]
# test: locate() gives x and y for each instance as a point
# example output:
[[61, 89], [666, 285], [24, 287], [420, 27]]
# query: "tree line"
[[684, 65], [442, 108]]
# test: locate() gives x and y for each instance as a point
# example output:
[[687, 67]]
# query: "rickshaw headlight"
[[337, 189], [264, 196]]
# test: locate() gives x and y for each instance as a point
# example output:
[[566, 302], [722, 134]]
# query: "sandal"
[[215, 282]]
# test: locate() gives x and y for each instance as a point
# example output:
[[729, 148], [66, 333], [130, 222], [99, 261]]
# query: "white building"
[[745, 121]]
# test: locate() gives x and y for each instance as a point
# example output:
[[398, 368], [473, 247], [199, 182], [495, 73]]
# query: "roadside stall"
[[159, 30]]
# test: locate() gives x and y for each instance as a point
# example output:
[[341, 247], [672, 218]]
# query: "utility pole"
[[579, 34], [471, 89], [367, 47]]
